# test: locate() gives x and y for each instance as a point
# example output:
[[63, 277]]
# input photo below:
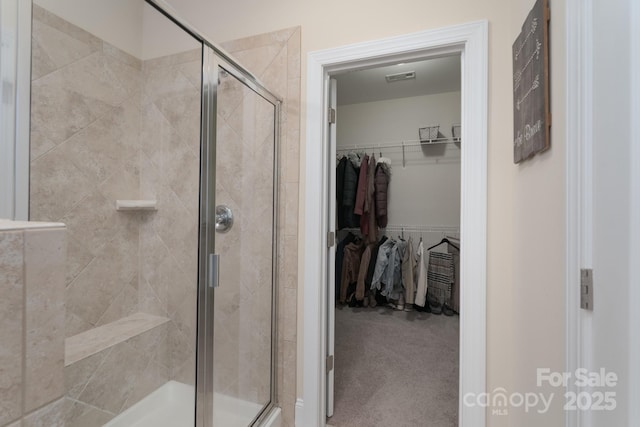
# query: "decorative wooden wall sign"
[[531, 116]]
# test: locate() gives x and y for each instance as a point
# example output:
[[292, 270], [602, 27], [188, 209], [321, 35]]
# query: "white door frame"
[[471, 42], [579, 202], [579, 191], [634, 252]]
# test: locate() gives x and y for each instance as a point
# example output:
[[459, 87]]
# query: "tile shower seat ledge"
[[95, 340], [136, 205]]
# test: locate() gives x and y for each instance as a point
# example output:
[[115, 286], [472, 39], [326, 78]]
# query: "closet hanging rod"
[[415, 228], [407, 143], [427, 228]]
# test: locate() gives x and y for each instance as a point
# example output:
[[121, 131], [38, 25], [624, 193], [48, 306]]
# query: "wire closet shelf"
[[399, 144]]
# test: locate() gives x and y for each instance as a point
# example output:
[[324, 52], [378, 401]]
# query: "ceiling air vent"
[[407, 75]]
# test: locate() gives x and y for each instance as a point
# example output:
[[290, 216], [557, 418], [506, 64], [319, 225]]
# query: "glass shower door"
[[242, 205]]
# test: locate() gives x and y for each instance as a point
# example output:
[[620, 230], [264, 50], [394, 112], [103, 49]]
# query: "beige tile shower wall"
[[275, 59], [169, 173], [32, 269], [107, 126], [84, 155], [12, 313]]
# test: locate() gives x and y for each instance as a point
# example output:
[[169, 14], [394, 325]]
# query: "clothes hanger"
[[445, 240]]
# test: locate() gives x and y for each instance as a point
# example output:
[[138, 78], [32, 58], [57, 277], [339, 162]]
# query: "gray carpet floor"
[[395, 369]]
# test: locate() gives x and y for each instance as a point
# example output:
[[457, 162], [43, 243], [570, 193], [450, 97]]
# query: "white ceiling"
[[435, 75]]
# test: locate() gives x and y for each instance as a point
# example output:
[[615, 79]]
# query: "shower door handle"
[[214, 270], [224, 218]]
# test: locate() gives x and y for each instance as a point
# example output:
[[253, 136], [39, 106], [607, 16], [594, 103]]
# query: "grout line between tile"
[[90, 405], [43, 406], [109, 350], [114, 300]]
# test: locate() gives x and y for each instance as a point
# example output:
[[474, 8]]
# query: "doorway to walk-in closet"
[[394, 291]]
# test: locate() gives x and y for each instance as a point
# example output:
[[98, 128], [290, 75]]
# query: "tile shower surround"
[[32, 262], [84, 154], [115, 135], [104, 126]]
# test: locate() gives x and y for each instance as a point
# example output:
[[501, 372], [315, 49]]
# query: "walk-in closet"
[[395, 332]]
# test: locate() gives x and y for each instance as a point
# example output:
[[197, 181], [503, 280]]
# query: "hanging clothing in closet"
[[346, 189], [349, 238], [365, 261], [365, 204], [380, 272], [350, 267], [408, 267], [370, 228], [437, 277], [388, 277], [392, 271], [382, 178], [387, 270], [455, 289], [372, 265], [421, 276], [340, 172], [362, 186], [440, 277], [395, 272]]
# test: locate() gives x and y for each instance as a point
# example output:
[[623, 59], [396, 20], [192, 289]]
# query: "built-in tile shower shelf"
[[95, 340], [136, 205]]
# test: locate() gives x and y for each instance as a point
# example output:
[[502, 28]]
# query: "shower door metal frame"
[[206, 243], [16, 103], [214, 58]]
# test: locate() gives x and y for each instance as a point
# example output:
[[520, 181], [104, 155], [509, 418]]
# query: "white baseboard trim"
[[297, 416]]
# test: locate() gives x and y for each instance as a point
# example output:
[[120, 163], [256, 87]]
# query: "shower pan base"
[[172, 405]]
